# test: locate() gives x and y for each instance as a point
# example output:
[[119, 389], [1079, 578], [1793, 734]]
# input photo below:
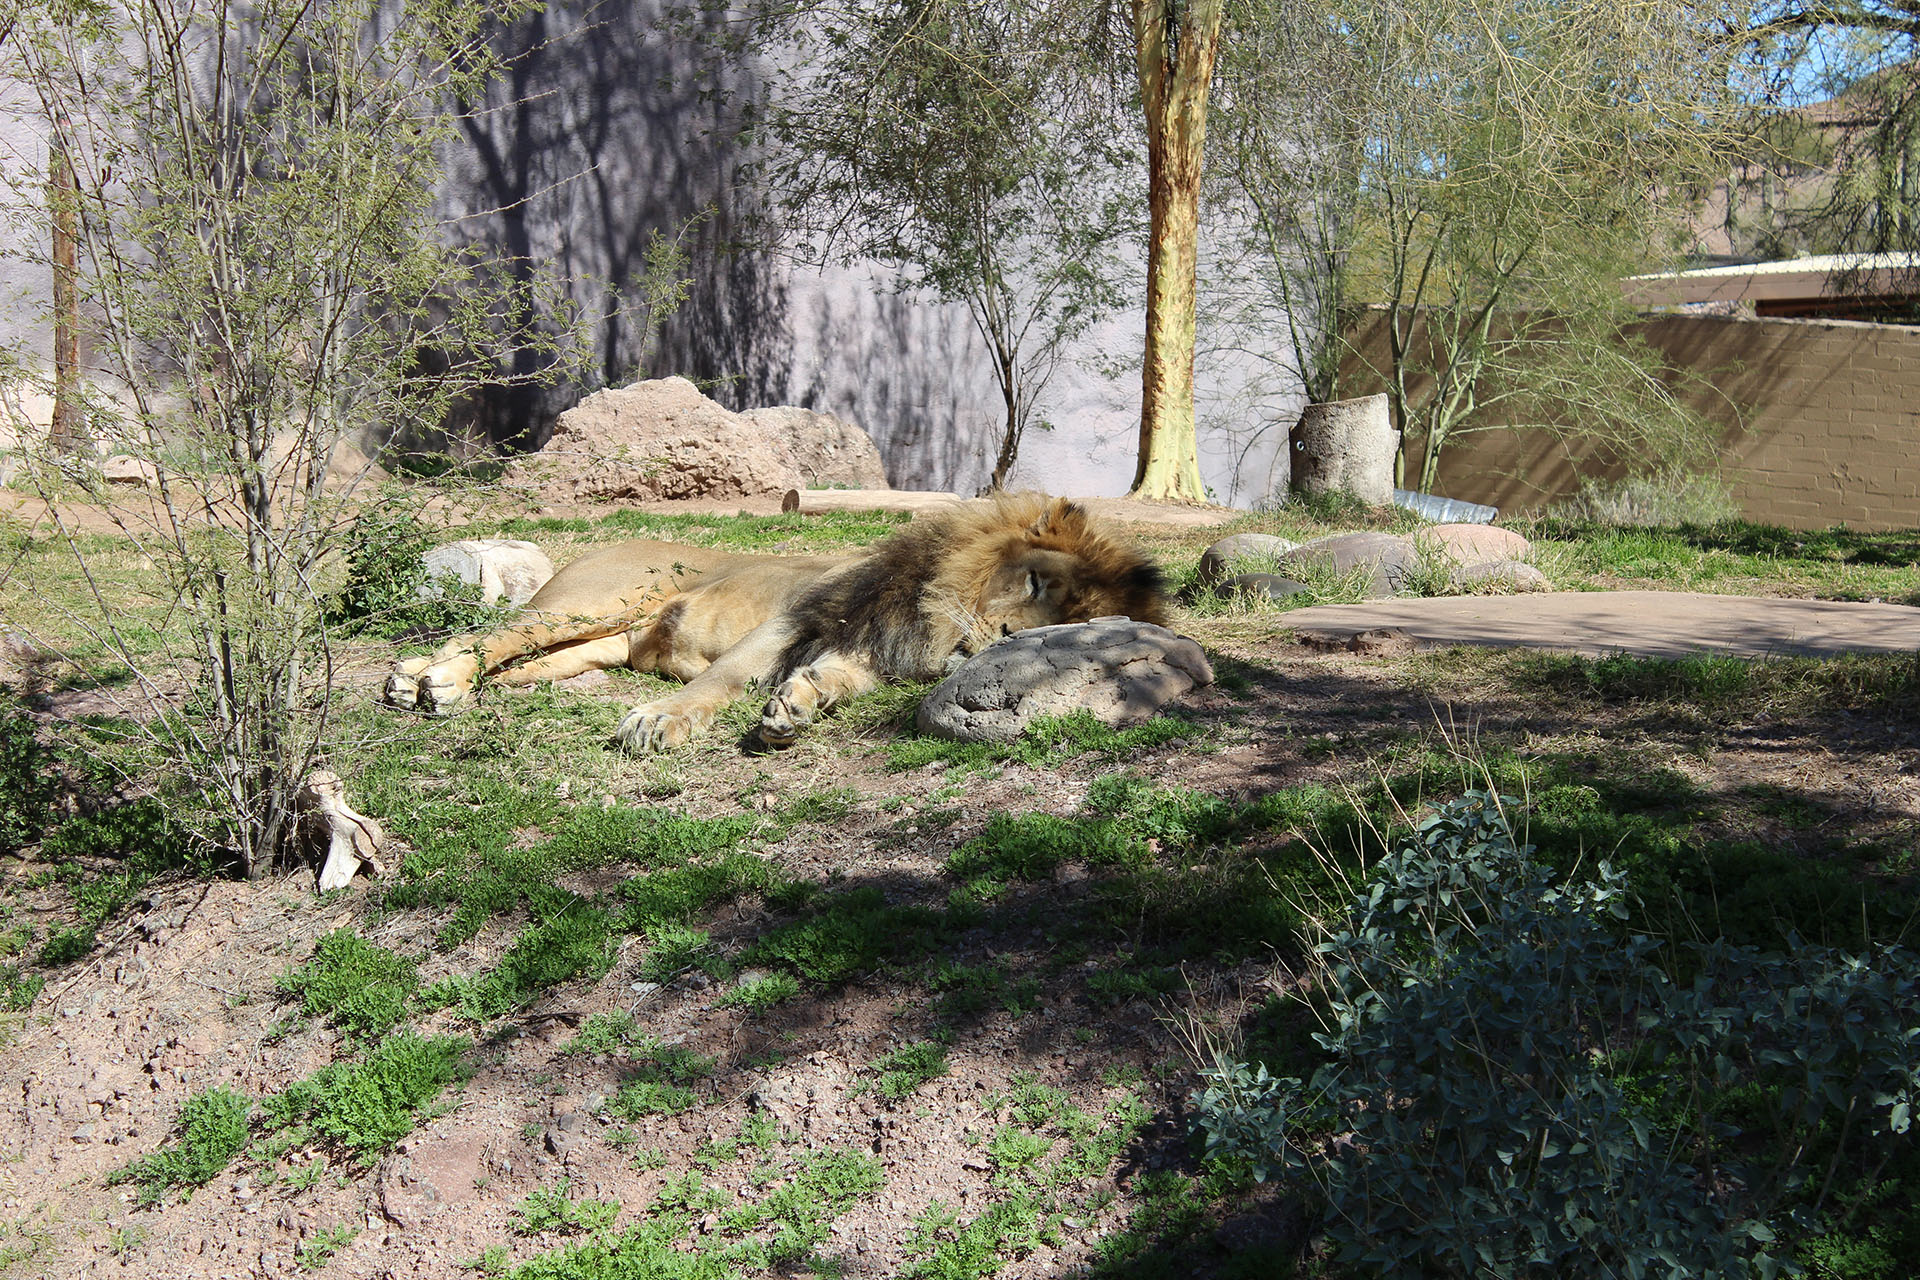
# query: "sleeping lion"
[[812, 629]]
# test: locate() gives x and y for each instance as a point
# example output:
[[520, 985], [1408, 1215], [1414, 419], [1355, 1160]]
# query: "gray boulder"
[[1263, 550], [1120, 670], [503, 568], [1390, 559], [1272, 586]]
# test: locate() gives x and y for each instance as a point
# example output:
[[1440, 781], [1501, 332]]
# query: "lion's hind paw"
[[402, 691]]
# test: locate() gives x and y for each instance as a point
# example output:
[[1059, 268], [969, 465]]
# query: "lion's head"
[[1027, 560]]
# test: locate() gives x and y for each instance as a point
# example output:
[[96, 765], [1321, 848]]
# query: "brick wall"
[[1822, 422]]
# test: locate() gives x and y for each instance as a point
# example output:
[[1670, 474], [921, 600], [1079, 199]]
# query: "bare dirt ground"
[[181, 995]]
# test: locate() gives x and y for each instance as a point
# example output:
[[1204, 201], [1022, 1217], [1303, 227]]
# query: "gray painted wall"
[[613, 126]]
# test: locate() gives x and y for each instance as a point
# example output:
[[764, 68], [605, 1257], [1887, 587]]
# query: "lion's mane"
[[907, 605]]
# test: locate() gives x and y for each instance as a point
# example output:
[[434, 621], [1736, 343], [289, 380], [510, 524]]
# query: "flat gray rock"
[[1120, 670], [1390, 559], [1243, 551]]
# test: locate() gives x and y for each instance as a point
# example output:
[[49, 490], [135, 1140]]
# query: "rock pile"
[[662, 439]]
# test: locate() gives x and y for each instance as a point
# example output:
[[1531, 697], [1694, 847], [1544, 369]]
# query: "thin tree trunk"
[[1174, 44], [67, 434]]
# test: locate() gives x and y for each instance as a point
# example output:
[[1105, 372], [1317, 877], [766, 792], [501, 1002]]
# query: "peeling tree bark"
[[1174, 45]]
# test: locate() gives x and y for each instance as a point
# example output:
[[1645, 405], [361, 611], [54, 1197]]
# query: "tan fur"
[[814, 630]]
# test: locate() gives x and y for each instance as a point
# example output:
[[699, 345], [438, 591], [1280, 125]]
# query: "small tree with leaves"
[[1484, 171], [262, 279], [959, 144]]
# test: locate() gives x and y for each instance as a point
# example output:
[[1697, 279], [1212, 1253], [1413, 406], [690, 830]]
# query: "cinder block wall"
[[1822, 421]]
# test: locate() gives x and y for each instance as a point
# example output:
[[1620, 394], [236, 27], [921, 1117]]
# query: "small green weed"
[[317, 1250], [901, 1071], [554, 1209], [637, 1099], [361, 988], [212, 1130], [760, 993], [823, 1186]]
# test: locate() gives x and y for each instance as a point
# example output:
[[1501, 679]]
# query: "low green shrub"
[[361, 988], [367, 1105], [1514, 1086], [212, 1130]]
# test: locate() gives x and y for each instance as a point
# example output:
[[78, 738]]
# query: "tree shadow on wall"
[[614, 124], [617, 123]]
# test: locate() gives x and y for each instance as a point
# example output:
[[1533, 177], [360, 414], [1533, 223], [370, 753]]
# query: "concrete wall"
[[615, 124], [1821, 417]]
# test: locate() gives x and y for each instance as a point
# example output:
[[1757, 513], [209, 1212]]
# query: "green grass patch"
[[1049, 740], [363, 989], [210, 1132], [966, 991], [849, 933]]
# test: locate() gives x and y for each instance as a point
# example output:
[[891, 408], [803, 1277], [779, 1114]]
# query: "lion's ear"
[[1057, 517]]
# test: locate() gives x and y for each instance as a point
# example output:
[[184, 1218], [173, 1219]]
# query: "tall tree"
[[1175, 44], [1844, 177], [266, 281]]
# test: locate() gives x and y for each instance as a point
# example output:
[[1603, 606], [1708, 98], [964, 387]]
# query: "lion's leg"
[[810, 691], [447, 677], [669, 721], [602, 654]]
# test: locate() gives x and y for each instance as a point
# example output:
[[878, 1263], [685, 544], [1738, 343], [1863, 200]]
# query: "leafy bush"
[[388, 591], [1478, 1011]]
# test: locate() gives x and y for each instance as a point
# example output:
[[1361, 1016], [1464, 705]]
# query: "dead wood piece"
[[352, 839], [813, 502]]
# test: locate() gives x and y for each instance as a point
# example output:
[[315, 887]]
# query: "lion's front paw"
[[649, 728], [781, 721]]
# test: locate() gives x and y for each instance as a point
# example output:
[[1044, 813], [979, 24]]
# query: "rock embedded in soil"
[[1120, 670], [1390, 560], [1218, 560]]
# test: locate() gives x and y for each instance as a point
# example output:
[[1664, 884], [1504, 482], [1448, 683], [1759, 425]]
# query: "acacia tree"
[[1484, 171], [263, 278], [1850, 174], [957, 143]]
